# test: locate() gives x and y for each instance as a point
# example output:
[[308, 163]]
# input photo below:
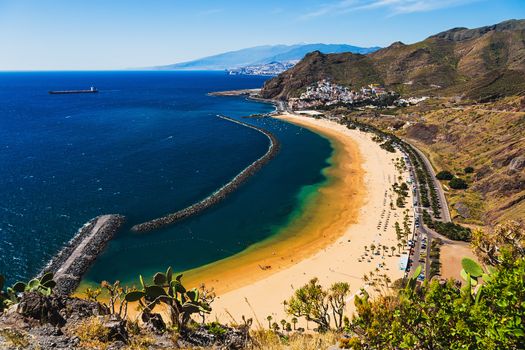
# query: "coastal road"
[[422, 230], [444, 211]]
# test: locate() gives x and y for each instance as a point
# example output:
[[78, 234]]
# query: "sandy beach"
[[351, 212]]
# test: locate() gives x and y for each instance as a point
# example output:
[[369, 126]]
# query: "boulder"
[[116, 329], [39, 307], [516, 164]]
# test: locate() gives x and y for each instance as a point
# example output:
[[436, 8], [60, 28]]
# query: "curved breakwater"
[[220, 193], [70, 264]]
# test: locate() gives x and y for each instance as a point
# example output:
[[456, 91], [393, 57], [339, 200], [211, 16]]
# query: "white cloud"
[[393, 7]]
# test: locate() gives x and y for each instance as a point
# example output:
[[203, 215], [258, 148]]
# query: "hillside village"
[[324, 94]]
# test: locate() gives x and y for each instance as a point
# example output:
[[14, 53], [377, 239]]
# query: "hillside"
[[489, 137], [481, 63], [262, 55]]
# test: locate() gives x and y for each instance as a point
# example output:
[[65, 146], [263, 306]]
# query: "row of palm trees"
[[385, 248]]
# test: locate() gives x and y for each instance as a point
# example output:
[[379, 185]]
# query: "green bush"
[[458, 184], [387, 146], [438, 315], [448, 229], [444, 175], [468, 170]]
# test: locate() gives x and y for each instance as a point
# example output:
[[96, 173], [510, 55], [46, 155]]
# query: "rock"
[[154, 323], [199, 337], [516, 164], [231, 339], [45, 309], [116, 328], [76, 309], [237, 338], [462, 209]]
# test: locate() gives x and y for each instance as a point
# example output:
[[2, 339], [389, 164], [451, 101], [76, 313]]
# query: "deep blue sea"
[[149, 143]]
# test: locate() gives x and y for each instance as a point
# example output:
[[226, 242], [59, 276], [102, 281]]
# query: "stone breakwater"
[[220, 193], [70, 264]]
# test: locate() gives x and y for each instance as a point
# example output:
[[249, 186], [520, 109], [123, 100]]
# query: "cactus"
[[412, 281], [471, 267], [43, 285], [182, 303], [471, 272]]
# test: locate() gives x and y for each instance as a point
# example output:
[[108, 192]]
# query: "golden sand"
[[324, 218]]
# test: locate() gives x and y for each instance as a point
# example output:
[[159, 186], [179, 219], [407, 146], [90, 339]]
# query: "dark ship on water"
[[92, 90]]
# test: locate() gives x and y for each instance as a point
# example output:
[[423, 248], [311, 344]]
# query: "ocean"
[[148, 144]]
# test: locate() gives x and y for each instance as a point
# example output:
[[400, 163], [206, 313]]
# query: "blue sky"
[[114, 34]]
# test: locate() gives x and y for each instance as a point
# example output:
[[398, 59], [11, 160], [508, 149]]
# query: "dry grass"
[[92, 333], [15, 339], [269, 340], [140, 343]]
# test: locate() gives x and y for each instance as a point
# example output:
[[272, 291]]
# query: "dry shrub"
[[92, 333]]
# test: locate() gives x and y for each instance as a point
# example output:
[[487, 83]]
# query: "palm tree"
[[269, 318], [392, 249], [399, 245], [294, 322], [283, 323], [372, 248]]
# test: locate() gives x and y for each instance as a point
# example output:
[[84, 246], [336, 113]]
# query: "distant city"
[[269, 69]]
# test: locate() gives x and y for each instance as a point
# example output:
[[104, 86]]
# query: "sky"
[[121, 34]]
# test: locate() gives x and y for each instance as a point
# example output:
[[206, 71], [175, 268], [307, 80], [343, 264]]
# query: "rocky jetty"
[[222, 192], [76, 257]]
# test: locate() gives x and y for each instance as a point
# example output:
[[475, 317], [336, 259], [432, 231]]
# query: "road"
[[444, 211], [422, 230]]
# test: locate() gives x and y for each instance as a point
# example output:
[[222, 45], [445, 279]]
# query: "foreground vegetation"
[[485, 311]]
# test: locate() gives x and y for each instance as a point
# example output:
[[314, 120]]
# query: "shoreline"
[[285, 248], [359, 198]]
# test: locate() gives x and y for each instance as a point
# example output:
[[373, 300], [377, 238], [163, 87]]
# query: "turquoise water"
[[148, 144]]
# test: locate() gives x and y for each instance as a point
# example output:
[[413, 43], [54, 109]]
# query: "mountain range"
[[261, 55], [481, 63]]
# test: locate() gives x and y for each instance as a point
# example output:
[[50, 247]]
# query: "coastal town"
[[324, 94]]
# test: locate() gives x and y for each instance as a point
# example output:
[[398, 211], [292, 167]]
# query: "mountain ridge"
[[481, 63], [261, 55]]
